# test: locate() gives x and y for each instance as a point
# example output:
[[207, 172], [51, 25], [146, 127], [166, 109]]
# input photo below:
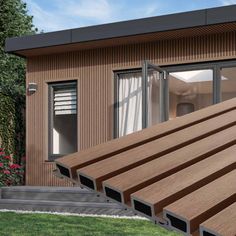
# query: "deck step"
[[59, 199], [51, 193], [66, 207]]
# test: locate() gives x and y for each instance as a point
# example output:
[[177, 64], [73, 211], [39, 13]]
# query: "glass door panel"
[[189, 91], [153, 98], [228, 83]]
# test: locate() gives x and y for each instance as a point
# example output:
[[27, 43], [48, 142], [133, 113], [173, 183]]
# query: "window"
[[62, 119]]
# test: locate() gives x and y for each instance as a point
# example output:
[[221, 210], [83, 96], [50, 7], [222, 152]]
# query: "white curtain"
[[130, 103], [153, 98]]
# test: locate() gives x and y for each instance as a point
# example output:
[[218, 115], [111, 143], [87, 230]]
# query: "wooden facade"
[[94, 71]]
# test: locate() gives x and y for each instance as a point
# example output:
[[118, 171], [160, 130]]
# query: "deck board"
[[198, 206], [222, 224], [122, 162], [173, 187], [169, 164], [105, 150]]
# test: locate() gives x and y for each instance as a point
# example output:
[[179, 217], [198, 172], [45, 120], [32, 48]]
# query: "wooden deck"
[[180, 173]]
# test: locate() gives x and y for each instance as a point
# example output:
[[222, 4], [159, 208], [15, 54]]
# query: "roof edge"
[[205, 17]]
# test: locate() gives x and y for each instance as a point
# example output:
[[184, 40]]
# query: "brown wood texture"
[[163, 192], [222, 224], [122, 162], [105, 150], [93, 69], [153, 171], [205, 202]]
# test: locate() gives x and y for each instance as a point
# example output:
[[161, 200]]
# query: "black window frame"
[[51, 85]]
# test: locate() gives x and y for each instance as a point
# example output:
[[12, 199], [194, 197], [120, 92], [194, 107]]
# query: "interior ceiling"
[[178, 82]]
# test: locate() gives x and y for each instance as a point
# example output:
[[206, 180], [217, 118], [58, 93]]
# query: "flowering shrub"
[[10, 172]]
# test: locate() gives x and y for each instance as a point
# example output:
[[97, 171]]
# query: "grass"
[[15, 224]]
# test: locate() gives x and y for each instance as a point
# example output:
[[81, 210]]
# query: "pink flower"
[[1, 149], [2, 153], [7, 157], [15, 166], [1, 164], [7, 172]]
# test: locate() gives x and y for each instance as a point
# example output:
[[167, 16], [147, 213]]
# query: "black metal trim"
[[144, 94], [205, 17]]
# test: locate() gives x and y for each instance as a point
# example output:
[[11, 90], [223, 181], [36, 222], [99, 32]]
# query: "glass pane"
[[130, 103], [153, 98], [228, 83], [64, 134], [190, 91], [64, 130]]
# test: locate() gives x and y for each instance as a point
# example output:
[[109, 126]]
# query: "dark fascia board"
[[123, 29], [38, 41], [140, 26]]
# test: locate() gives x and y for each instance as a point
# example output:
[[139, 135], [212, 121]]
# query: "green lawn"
[[13, 224]]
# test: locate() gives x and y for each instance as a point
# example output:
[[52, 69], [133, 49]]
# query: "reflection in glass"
[[228, 83], [189, 91]]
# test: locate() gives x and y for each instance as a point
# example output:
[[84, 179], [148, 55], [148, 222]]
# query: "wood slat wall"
[[93, 69]]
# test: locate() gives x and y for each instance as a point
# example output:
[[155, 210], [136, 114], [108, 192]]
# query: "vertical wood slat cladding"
[[93, 69]]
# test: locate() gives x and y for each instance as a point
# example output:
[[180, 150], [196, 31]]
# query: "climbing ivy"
[[14, 21], [7, 121], [12, 128]]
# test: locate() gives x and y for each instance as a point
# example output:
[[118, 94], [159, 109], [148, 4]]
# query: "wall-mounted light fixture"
[[32, 88]]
